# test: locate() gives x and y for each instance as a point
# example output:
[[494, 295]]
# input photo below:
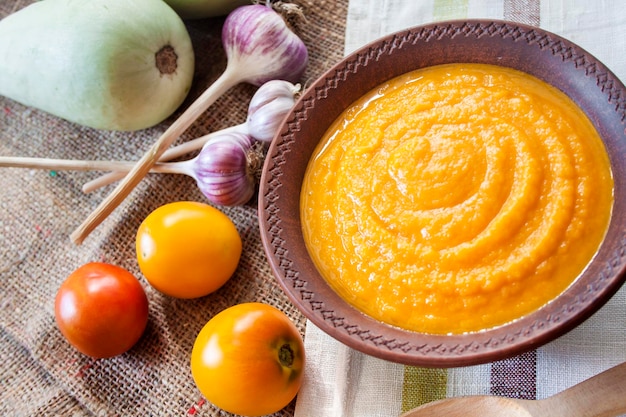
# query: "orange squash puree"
[[456, 198]]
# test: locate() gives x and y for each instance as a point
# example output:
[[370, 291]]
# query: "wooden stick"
[[63, 164], [82, 165], [142, 167], [168, 155]]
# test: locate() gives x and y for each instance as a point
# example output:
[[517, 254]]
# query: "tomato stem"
[[286, 355]]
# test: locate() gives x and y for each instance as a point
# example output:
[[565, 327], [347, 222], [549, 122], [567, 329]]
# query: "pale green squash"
[[198, 9], [107, 64]]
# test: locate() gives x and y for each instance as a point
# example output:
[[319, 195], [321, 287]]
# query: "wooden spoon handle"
[[603, 395]]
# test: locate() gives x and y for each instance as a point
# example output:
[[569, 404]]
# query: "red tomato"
[[187, 249], [249, 360], [101, 309]]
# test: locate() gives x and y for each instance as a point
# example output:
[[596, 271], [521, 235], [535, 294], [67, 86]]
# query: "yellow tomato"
[[187, 249], [249, 360]]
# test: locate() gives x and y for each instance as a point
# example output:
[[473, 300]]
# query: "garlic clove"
[[225, 169], [260, 44], [269, 106], [271, 91], [264, 123]]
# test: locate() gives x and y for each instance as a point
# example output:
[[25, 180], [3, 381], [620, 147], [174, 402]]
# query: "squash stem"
[[166, 60], [228, 79]]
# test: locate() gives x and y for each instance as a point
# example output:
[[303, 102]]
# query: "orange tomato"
[[187, 249], [249, 360], [101, 309]]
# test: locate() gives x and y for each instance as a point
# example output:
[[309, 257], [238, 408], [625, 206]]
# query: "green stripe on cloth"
[[423, 385], [449, 9]]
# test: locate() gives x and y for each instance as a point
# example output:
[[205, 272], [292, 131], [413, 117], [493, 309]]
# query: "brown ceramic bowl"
[[547, 56]]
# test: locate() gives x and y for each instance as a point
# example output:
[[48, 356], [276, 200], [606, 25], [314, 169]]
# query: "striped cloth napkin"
[[341, 382]]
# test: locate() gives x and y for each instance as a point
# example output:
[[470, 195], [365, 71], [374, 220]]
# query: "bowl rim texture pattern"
[[535, 51]]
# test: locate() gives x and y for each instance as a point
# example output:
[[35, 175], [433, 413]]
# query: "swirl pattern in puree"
[[456, 198]]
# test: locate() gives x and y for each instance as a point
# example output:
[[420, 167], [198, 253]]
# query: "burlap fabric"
[[40, 374]]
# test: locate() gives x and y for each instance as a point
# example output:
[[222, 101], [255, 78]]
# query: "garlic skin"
[[226, 169], [269, 106], [260, 45], [229, 164]]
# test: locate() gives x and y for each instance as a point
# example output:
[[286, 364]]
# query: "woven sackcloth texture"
[[40, 373]]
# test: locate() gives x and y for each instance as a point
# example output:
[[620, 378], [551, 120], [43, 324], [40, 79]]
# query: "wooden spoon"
[[603, 395]]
